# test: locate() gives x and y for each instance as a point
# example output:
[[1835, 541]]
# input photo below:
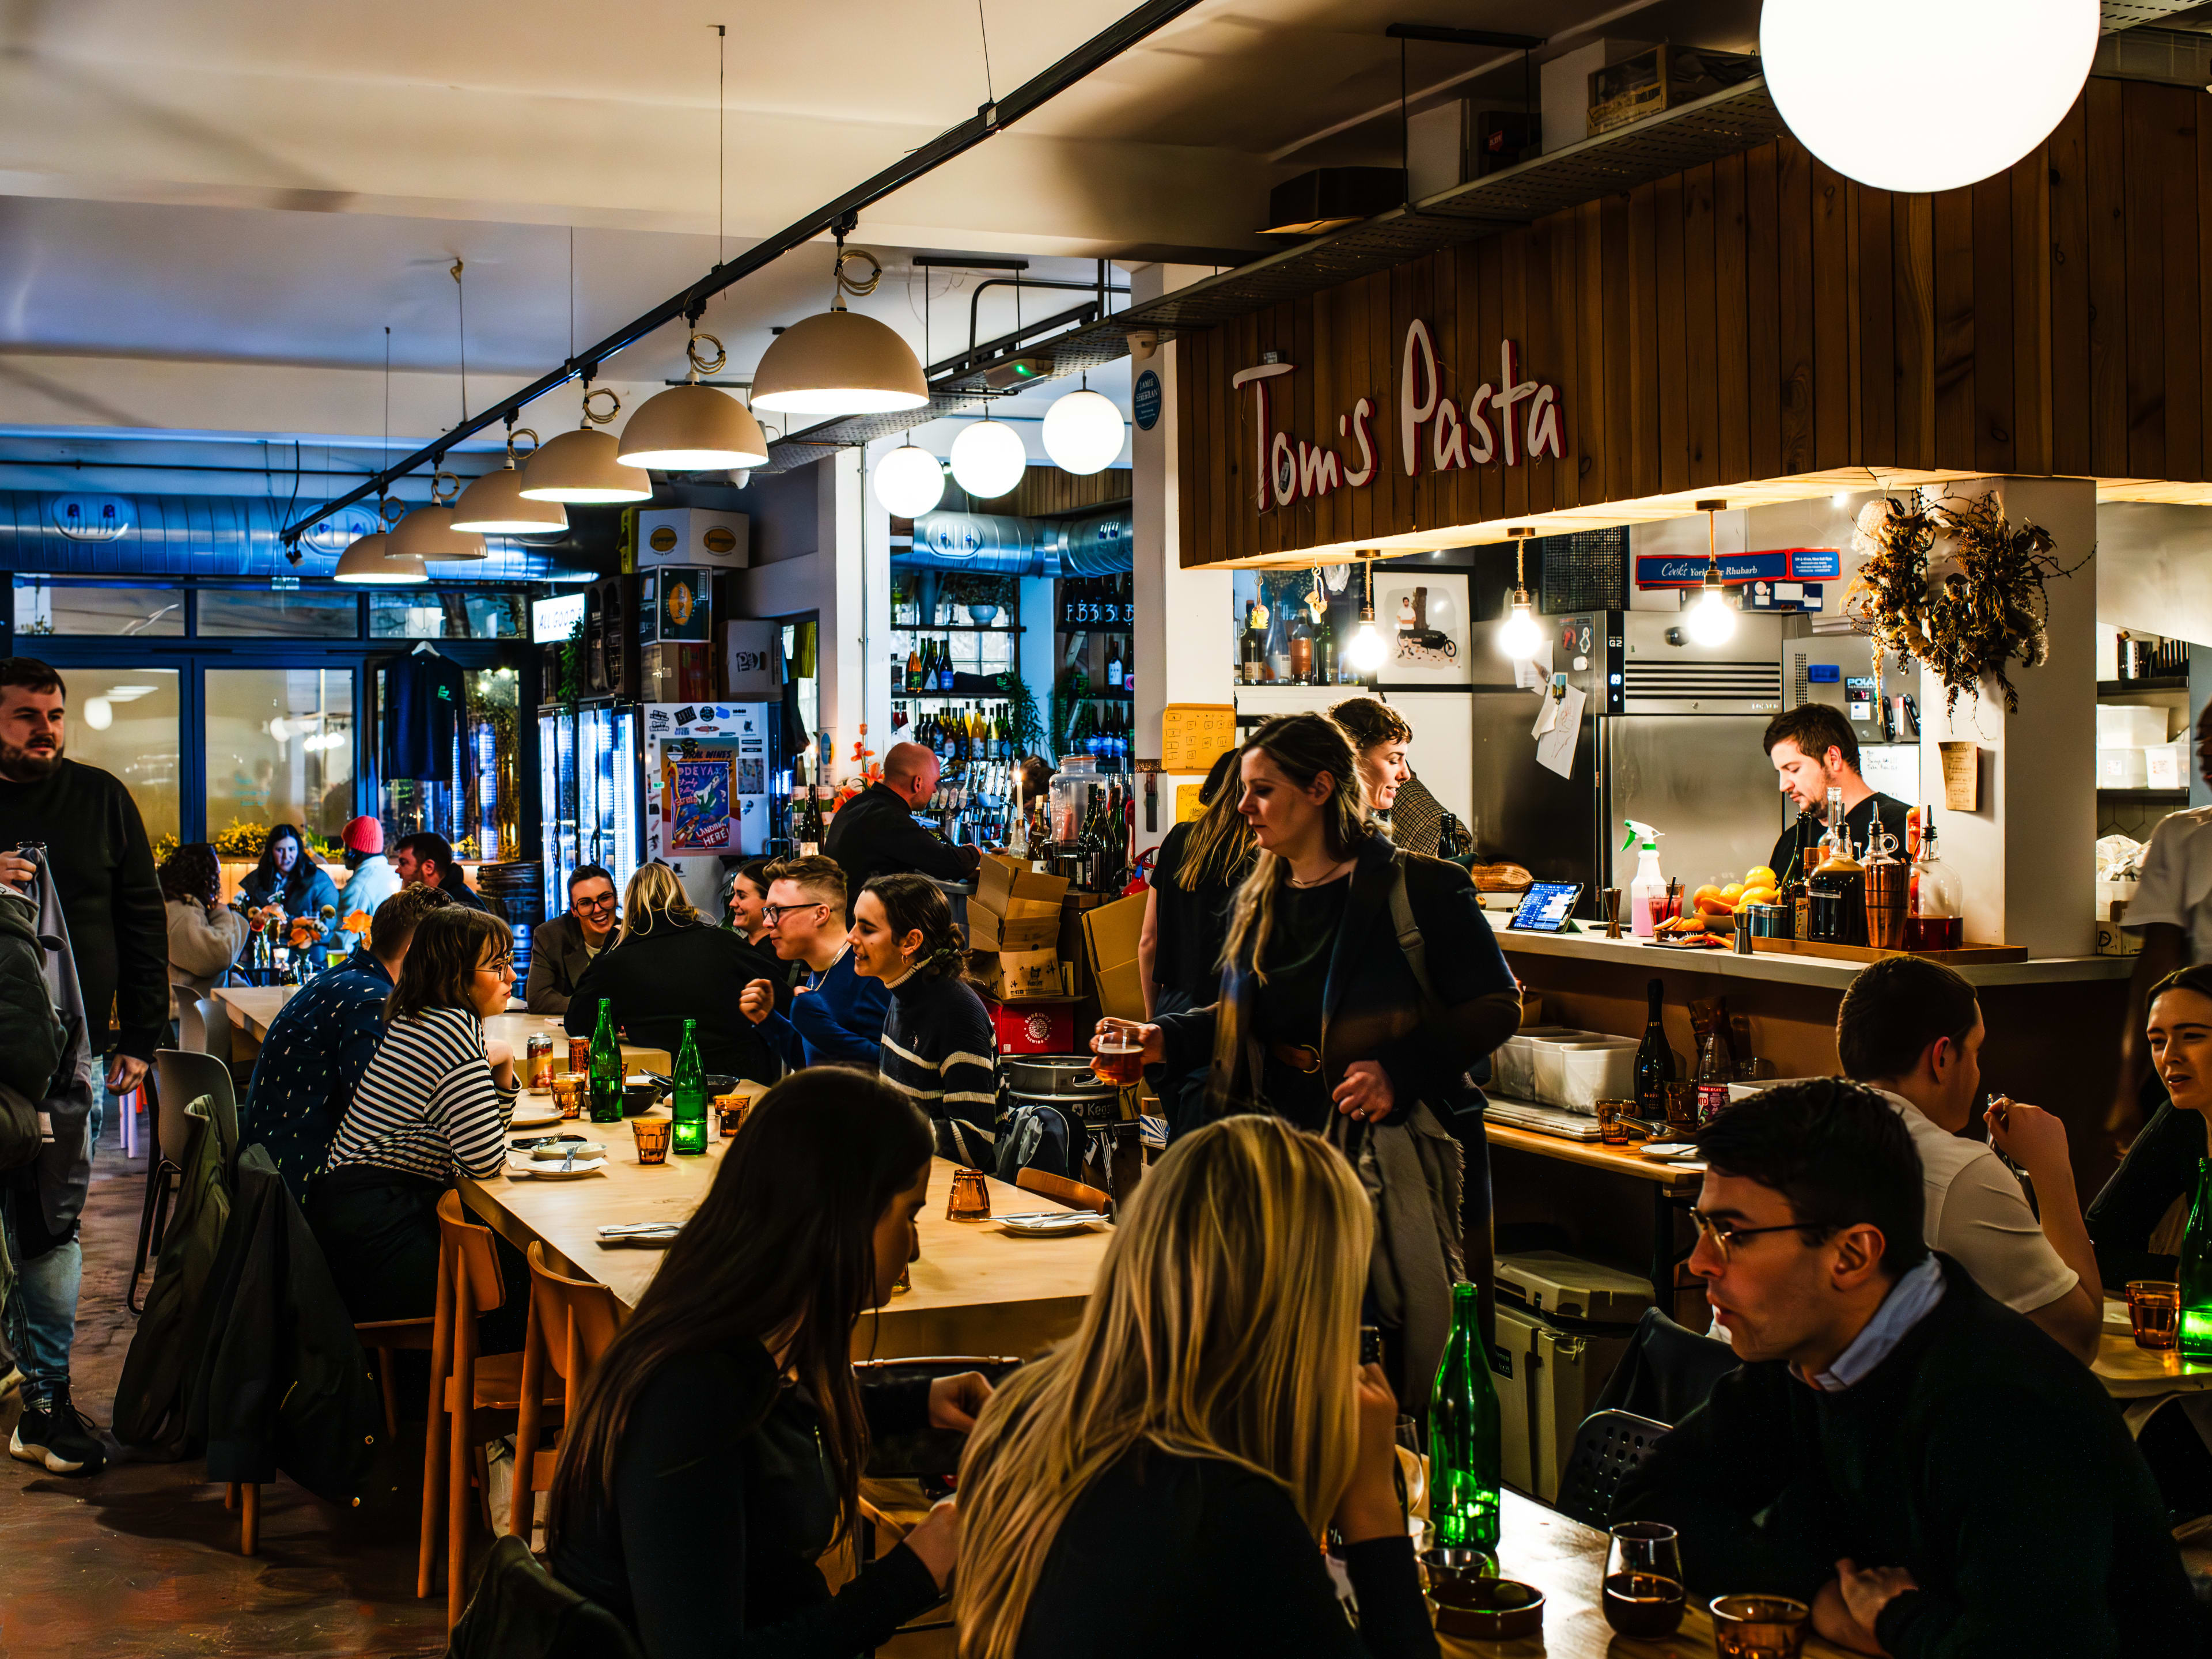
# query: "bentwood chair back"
[[191, 1025], [572, 1322], [1609, 1446], [1061, 1190], [215, 1025], [180, 1077]]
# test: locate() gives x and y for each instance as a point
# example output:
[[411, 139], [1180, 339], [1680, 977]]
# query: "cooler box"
[[1563, 1324]]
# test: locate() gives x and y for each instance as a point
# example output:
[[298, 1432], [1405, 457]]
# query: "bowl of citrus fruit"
[[1716, 903]]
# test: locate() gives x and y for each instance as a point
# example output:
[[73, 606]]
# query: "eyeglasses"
[[776, 913], [497, 965], [1724, 1236], [606, 902]]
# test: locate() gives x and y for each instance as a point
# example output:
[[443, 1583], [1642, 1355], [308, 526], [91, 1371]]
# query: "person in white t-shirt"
[[2172, 911], [1912, 1030]]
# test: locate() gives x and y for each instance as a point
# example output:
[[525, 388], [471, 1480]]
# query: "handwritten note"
[[1555, 749], [1194, 735]]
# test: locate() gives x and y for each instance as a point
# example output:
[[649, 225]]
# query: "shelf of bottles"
[[1291, 629], [1094, 684]]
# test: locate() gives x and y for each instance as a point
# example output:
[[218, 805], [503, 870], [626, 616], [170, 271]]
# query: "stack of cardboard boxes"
[[1014, 928]]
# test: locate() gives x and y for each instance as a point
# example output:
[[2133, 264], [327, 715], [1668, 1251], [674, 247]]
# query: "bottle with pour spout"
[[1649, 884]]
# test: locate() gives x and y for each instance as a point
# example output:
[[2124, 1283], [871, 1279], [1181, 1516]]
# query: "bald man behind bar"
[[876, 833]]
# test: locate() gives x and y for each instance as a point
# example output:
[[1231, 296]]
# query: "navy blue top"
[[317, 1047], [423, 695], [836, 1019]]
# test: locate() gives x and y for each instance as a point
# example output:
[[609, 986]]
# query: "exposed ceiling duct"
[[997, 544]]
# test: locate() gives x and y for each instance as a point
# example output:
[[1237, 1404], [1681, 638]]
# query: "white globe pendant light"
[[1925, 94], [1518, 635], [582, 466], [1712, 618], [1083, 433], [693, 427], [909, 482], [837, 362], [493, 504], [365, 562], [988, 460]]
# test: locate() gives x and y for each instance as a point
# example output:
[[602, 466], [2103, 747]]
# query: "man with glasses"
[[559, 949], [836, 1017], [1917, 1462]]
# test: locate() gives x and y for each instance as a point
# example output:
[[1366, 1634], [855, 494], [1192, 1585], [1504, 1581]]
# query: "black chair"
[[1666, 1371], [1608, 1447]]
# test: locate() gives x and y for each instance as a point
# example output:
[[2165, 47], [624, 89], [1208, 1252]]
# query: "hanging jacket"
[[31, 1047], [282, 1383], [57, 1179], [153, 1395]]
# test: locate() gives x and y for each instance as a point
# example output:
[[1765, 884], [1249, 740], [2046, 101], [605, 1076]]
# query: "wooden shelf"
[[2130, 688], [957, 628], [2147, 797]]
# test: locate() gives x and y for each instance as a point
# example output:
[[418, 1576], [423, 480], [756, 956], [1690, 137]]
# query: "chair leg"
[[391, 1396], [230, 1496], [434, 1431], [459, 1468], [523, 1509], [249, 1522], [153, 1221]]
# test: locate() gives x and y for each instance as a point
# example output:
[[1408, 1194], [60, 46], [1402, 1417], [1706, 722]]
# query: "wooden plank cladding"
[[1759, 326]]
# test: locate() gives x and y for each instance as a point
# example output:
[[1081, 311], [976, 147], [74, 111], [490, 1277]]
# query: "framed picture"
[[1424, 616]]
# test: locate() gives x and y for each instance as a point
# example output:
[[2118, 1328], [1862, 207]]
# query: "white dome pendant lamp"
[[429, 532], [838, 362], [692, 428], [1083, 432], [988, 460], [581, 466], [909, 481], [493, 504], [1911, 95], [364, 562]]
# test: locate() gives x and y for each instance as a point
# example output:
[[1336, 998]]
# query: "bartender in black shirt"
[[1815, 749], [877, 834]]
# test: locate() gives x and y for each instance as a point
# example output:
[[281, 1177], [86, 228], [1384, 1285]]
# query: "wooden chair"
[[572, 1321], [468, 1392], [1061, 1190], [383, 1338]]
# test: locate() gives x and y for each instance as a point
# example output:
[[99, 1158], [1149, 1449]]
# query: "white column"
[[853, 585], [1185, 634], [2026, 856]]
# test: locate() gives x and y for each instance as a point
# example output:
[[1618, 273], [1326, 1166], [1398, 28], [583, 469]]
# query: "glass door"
[[279, 750], [126, 720]]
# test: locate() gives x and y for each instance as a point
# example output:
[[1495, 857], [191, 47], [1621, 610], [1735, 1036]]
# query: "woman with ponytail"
[[940, 1050]]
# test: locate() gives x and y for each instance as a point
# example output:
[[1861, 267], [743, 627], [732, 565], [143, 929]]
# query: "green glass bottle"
[[606, 1069], [2196, 1271], [690, 1136], [1464, 1438]]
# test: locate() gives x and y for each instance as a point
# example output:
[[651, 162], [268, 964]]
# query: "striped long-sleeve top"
[[940, 1050], [427, 1105]]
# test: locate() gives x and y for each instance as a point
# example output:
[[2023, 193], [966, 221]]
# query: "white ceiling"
[[210, 210]]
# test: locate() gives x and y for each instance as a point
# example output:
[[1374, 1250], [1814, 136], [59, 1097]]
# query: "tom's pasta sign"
[[1504, 422]]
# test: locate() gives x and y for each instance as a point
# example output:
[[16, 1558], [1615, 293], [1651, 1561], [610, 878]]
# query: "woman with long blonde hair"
[[669, 963], [1207, 1421]]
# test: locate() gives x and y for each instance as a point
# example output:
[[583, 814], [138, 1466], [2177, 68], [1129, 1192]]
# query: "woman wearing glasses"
[[434, 1104]]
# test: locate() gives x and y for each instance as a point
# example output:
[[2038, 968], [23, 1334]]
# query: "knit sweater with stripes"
[[427, 1105], [941, 1050]]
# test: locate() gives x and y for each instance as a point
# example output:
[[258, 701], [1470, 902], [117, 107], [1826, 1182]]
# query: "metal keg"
[[1063, 1080]]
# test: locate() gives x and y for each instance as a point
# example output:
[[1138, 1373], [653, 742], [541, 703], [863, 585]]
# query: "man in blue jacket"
[[836, 1017]]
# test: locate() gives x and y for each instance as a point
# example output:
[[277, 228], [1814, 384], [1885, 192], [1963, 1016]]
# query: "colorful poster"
[[699, 806]]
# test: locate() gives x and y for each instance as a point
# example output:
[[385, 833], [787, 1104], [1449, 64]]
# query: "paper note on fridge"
[[1531, 672], [1556, 747]]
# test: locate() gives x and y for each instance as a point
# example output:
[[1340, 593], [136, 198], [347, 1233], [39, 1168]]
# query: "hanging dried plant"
[[1967, 622]]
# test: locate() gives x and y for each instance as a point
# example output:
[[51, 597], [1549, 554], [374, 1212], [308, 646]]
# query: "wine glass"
[[1412, 1480], [1644, 1580]]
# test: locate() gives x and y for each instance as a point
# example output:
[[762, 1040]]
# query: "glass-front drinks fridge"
[[588, 781]]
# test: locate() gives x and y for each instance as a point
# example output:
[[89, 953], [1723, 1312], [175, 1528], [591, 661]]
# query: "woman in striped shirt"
[[434, 1103], [941, 1050]]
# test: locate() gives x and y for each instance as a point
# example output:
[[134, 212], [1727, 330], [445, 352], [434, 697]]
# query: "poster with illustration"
[[1424, 616], [699, 806]]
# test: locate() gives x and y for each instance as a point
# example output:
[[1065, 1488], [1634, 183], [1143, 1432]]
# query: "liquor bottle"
[[2196, 1272], [1326, 667], [606, 1067], [690, 1109], [1302, 648], [944, 667], [913, 666], [1935, 913], [1796, 896], [1655, 1060], [1278, 646], [1831, 838], [1465, 1442], [1712, 1078], [1114, 664]]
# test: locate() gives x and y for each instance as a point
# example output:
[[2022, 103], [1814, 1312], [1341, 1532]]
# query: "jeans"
[[41, 1310]]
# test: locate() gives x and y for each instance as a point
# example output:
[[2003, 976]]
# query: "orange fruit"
[[1710, 890], [1713, 905], [1759, 875], [1733, 892]]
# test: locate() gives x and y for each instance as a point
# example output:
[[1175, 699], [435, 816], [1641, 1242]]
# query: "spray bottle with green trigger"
[[1650, 883]]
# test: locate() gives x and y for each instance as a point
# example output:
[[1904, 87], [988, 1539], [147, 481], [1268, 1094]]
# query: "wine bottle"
[[1655, 1060], [2195, 1272], [1712, 1078], [606, 1085], [1465, 1440], [913, 666], [690, 1108]]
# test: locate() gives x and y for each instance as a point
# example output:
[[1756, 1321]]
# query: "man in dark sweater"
[[877, 834], [428, 858], [1928, 1471]]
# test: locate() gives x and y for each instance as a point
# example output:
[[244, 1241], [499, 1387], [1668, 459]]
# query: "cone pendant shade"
[[428, 534], [494, 506], [365, 562], [582, 466], [692, 429], [838, 362]]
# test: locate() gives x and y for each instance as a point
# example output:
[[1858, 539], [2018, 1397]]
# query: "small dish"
[[1489, 1609], [529, 1168], [562, 1151], [533, 1114], [1052, 1226], [1667, 1149]]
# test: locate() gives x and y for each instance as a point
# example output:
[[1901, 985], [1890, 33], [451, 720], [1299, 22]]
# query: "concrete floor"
[[142, 1559]]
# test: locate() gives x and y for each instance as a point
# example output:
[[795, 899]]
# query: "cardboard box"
[[676, 673], [687, 535], [1035, 1028], [1029, 925], [675, 604], [1021, 975], [1000, 879], [1109, 945], [752, 659]]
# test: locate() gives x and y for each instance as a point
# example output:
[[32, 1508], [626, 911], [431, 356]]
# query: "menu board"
[[1194, 735]]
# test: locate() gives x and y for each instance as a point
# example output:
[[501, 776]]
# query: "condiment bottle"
[[1935, 916], [1886, 881]]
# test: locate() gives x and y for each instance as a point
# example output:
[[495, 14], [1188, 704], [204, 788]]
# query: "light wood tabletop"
[[1565, 1559], [977, 1288], [1595, 1155], [252, 1007], [2131, 1373]]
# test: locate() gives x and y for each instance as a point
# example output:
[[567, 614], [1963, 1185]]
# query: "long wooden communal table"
[[1565, 1559], [252, 1007], [976, 1288], [2130, 1373]]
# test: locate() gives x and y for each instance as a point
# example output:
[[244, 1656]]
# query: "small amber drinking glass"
[[568, 1092], [652, 1134], [1758, 1626], [1613, 1121], [2155, 1311], [732, 1111], [970, 1199]]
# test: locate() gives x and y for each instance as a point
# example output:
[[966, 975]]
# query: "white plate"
[[1667, 1149], [525, 1169], [1048, 1227], [533, 1117]]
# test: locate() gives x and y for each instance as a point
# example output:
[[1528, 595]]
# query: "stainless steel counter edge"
[[1795, 971]]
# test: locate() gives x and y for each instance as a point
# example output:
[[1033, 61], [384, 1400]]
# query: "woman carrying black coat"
[[717, 1454], [668, 964]]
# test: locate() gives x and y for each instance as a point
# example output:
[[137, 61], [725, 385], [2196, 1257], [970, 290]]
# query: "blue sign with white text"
[[1789, 564], [1144, 401]]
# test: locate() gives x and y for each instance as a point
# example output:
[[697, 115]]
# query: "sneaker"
[[60, 1439]]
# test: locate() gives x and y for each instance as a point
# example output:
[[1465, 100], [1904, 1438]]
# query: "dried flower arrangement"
[[1968, 622]]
